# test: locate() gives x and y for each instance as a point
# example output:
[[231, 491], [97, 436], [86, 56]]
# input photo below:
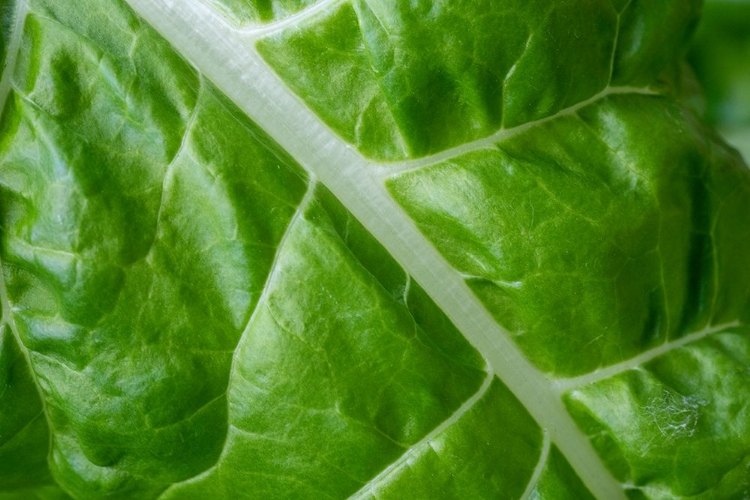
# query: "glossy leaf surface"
[[365, 249]]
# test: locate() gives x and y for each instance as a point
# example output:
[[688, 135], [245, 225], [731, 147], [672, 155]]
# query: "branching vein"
[[612, 370], [409, 454], [230, 60]]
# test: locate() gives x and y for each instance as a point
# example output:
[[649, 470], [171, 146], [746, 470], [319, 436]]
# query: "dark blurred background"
[[720, 56]]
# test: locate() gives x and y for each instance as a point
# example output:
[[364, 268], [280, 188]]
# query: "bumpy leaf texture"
[[367, 249]]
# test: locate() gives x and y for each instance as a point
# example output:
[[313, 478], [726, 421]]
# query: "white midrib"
[[228, 57]]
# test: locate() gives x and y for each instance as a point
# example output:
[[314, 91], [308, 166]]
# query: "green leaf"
[[367, 249]]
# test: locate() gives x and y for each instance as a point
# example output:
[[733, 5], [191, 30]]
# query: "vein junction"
[[266, 100], [403, 461], [564, 385], [249, 82]]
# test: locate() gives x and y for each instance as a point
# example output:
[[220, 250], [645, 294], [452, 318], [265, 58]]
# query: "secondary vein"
[[505, 133], [303, 205], [382, 478], [230, 60], [306, 13], [564, 385], [540, 465]]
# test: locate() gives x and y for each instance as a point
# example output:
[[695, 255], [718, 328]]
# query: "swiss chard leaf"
[[366, 249]]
